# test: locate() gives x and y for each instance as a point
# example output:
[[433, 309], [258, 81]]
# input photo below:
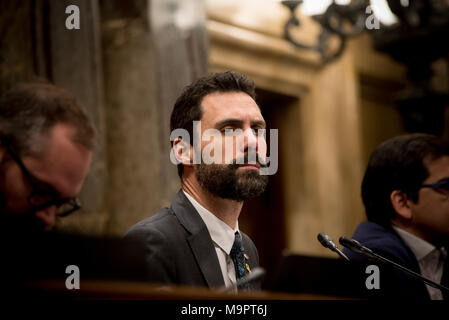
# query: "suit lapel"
[[199, 240], [205, 255]]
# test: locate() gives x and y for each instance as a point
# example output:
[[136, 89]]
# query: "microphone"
[[355, 246], [256, 274], [327, 242]]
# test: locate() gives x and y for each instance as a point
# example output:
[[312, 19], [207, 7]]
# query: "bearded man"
[[197, 240]]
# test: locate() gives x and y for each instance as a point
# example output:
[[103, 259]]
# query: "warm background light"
[[383, 12]]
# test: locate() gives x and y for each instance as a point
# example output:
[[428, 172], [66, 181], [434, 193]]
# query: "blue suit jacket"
[[393, 282]]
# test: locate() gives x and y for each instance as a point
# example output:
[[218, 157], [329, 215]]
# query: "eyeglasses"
[[43, 196], [442, 186]]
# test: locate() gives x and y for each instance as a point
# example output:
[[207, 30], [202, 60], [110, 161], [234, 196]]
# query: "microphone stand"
[[256, 274], [355, 246]]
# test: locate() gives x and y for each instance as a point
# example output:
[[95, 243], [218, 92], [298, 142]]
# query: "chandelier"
[[414, 32]]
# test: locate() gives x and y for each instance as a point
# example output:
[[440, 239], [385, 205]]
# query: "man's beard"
[[224, 181]]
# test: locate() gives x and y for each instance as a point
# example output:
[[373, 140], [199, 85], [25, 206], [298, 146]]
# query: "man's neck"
[[429, 236], [226, 210]]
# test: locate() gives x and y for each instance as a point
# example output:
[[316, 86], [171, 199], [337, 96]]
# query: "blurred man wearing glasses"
[[405, 191], [46, 143]]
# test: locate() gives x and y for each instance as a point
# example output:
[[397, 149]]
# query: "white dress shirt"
[[430, 259], [223, 238]]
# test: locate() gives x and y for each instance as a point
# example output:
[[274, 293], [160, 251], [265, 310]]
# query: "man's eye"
[[256, 130], [443, 186], [442, 191]]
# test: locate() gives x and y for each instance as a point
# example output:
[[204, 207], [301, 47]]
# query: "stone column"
[[75, 64], [150, 52], [16, 45]]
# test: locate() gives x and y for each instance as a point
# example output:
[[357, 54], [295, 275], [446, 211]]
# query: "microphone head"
[[326, 241], [351, 244], [256, 274]]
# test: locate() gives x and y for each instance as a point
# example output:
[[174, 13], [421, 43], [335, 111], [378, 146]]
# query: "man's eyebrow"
[[43, 185], [259, 123], [238, 122], [229, 122]]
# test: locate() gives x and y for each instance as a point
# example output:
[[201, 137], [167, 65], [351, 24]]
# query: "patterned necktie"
[[238, 257]]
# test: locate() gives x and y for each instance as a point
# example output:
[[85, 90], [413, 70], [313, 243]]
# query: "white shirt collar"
[[222, 234], [420, 247]]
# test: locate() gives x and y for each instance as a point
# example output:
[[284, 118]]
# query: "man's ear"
[[399, 201], [183, 152]]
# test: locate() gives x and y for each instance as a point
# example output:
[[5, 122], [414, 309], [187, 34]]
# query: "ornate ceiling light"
[[414, 32]]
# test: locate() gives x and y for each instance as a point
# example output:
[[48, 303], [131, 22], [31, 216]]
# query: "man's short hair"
[[30, 110], [187, 107], [398, 164]]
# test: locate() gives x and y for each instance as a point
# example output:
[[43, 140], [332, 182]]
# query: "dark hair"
[[29, 110], [398, 164], [187, 107]]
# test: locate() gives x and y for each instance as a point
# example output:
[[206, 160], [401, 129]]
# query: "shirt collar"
[[420, 247], [221, 234]]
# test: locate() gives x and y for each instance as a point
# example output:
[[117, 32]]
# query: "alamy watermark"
[[73, 280], [73, 20], [371, 22], [373, 280]]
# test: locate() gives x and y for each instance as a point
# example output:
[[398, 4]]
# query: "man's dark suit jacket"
[[179, 248], [386, 242]]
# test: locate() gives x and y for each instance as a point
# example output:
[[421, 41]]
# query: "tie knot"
[[237, 247]]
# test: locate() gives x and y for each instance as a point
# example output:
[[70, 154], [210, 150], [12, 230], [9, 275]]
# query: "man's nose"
[[250, 140], [47, 216]]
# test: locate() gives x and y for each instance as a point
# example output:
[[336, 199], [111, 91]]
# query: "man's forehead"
[[237, 105], [64, 164], [438, 168]]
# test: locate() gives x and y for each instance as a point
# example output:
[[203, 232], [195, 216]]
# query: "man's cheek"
[[262, 148]]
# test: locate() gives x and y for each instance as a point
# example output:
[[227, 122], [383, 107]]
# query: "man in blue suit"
[[405, 191]]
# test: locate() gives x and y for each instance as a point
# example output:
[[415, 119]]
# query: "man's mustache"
[[262, 163]]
